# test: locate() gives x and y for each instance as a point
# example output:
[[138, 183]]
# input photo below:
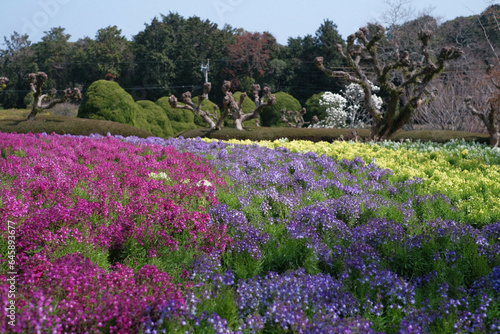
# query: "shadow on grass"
[[69, 125]]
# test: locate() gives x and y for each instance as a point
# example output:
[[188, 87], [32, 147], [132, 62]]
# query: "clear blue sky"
[[282, 18]]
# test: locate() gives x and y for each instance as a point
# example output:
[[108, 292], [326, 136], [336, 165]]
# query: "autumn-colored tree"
[[249, 55], [488, 110], [36, 81], [403, 80]]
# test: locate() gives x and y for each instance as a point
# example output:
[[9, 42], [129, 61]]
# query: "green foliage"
[[243, 265], [106, 100], [314, 108], [174, 114], [271, 116], [248, 104], [284, 253], [246, 83], [153, 119], [29, 99], [166, 61], [180, 119]]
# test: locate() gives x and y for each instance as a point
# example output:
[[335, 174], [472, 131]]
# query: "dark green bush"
[[153, 119], [180, 119], [314, 109], [271, 116], [106, 100], [174, 114], [329, 135]]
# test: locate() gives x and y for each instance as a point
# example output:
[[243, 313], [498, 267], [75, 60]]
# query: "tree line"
[[165, 58]]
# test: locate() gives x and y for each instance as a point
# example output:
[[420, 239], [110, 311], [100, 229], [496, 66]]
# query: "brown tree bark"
[[490, 117]]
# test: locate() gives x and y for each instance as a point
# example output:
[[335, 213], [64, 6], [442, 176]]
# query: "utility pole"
[[205, 68]]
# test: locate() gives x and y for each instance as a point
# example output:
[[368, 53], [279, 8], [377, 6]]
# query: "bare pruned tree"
[[207, 116], [294, 118], [231, 107], [448, 111], [488, 110], [404, 81], [36, 81]]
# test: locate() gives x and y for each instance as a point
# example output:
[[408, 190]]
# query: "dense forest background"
[[166, 58]]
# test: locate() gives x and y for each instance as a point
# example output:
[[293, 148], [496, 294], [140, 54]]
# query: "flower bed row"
[[466, 173], [257, 240], [93, 228]]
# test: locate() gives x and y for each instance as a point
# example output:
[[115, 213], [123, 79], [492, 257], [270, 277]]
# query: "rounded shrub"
[[180, 119], [314, 108], [174, 114], [153, 119], [271, 116], [106, 100]]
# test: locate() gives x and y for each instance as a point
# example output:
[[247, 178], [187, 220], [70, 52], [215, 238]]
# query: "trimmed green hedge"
[[174, 114], [106, 100], [180, 119], [271, 116], [154, 119], [314, 108]]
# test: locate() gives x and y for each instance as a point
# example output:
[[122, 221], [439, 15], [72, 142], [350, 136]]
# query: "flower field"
[[129, 235]]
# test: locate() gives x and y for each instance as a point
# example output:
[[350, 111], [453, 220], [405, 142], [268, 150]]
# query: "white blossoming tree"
[[347, 110], [336, 115], [358, 115]]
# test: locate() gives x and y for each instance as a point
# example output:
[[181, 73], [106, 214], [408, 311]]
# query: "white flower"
[[205, 183], [347, 110], [159, 176]]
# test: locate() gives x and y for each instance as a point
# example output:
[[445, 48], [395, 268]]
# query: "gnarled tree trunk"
[[209, 118], [231, 107], [490, 117], [37, 81], [294, 118], [236, 109], [405, 96]]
